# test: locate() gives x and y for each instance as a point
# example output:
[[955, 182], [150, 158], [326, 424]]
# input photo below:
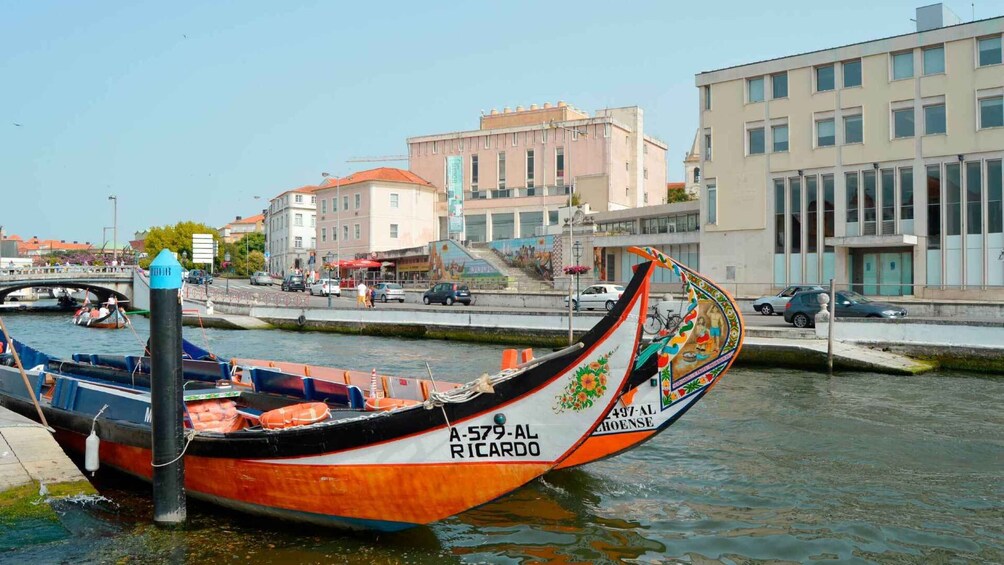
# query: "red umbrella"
[[361, 264]]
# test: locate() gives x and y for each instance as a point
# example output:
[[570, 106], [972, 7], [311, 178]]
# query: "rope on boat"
[[189, 436], [96, 416]]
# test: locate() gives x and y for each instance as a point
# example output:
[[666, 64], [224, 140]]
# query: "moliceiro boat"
[[328, 460], [108, 317]]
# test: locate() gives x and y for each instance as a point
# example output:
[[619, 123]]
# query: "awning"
[[857, 241]]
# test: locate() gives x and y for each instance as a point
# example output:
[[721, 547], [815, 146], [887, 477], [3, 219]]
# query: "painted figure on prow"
[[716, 321]]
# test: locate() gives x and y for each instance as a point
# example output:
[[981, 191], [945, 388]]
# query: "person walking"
[[371, 297], [361, 295]]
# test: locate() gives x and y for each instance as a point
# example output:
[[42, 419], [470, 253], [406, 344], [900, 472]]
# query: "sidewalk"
[[30, 455]]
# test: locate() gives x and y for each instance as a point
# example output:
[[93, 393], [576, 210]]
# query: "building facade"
[[508, 178], [374, 211], [876, 164], [240, 227], [290, 227]]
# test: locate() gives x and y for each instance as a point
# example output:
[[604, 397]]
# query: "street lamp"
[[577, 249], [226, 259], [328, 258], [115, 227], [571, 189], [337, 209]]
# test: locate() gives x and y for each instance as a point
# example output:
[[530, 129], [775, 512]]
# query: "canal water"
[[773, 466]]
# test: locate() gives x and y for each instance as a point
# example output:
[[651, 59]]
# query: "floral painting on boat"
[[587, 385]]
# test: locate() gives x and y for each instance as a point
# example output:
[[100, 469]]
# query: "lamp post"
[[577, 249], [115, 227], [226, 259], [328, 258], [184, 258], [337, 209], [104, 238], [571, 189]]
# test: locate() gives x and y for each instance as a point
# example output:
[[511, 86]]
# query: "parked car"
[[199, 276], [596, 296], [801, 310], [775, 303], [388, 291], [294, 282], [261, 278], [325, 287], [448, 293]]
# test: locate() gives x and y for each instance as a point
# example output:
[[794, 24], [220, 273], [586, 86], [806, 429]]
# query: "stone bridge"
[[103, 282]]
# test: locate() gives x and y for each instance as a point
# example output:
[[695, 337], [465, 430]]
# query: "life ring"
[[301, 321], [295, 415], [380, 403]]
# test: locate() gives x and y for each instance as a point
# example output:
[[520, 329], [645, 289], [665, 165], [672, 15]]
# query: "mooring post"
[[829, 328], [166, 391]]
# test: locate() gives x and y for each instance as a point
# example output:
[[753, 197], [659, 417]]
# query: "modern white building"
[[877, 164], [290, 227]]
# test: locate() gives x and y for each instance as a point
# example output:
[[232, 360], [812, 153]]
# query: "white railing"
[[246, 297], [64, 272]]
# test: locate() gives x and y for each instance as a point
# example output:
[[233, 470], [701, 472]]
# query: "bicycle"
[[656, 322]]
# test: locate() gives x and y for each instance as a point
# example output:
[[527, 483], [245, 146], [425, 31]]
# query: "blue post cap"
[[165, 271]]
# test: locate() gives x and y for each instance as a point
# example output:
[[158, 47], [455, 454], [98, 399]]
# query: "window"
[[435, 147], [888, 210], [779, 216], [313, 200], [298, 220], [853, 130], [779, 137], [934, 60], [334, 234], [755, 139], [393, 231], [712, 204], [934, 119], [902, 65], [355, 231], [298, 198], [345, 232], [811, 211], [852, 73], [707, 145], [514, 140], [606, 130], [934, 207], [707, 97], [488, 141], [826, 135], [334, 204], [474, 172], [868, 201], [645, 172], [394, 199], [298, 242], [324, 234], [902, 123], [697, 174], [529, 168], [953, 199], [851, 190], [313, 221], [992, 112], [795, 194], [990, 51], [828, 214], [754, 89], [995, 180], [824, 78], [779, 85], [358, 200], [906, 193], [313, 242], [559, 166], [324, 206], [974, 196]]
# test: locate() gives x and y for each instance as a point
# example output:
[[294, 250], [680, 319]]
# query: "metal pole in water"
[[829, 329], [166, 391]]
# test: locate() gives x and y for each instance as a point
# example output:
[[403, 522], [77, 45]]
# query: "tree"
[[256, 261], [176, 238], [678, 195]]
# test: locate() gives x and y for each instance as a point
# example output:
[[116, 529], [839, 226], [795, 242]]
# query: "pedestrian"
[[372, 297], [361, 295]]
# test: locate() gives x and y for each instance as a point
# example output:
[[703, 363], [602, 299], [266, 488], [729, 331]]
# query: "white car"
[[324, 287], [774, 304], [597, 296], [261, 278]]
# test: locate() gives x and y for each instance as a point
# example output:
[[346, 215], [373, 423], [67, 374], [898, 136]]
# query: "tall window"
[[868, 201], [953, 199], [345, 203], [888, 201], [826, 135], [754, 89], [852, 73], [995, 180], [990, 50], [934, 207], [324, 234], [853, 129], [394, 200], [358, 200], [529, 168], [712, 204], [324, 206], [934, 119], [828, 203], [298, 220], [707, 145], [334, 204], [501, 175], [902, 123], [474, 172], [345, 232], [313, 221], [779, 137], [906, 193], [393, 231], [559, 166], [707, 97], [824, 78], [756, 141], [811, 214], [902, 65], [298, 198], [992, 112], [779, 85], [298, 242], [697, 174], [356, 231], [851, 190], [934, 60], [778, 215], [795, 188], [974, 198]]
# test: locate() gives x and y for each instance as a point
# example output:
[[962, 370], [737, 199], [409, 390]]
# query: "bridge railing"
[[245, 297], [63, 272]]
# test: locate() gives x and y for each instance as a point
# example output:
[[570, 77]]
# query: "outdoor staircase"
[[519, 279]]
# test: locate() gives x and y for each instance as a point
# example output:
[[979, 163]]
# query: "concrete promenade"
[[29, 455]]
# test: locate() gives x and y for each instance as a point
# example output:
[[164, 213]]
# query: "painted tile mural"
[[451, 262], [528, 253]]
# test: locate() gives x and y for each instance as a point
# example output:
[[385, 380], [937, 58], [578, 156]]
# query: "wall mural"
[[532, 254], [451, 262]]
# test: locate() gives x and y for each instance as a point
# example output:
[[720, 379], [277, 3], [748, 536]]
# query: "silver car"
[[261, 278], [388, 291], [774, 304]]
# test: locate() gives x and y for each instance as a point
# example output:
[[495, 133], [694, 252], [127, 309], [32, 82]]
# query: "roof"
[[35, 244], [251, 219], [676, 185], [305, 189], [386, 174]]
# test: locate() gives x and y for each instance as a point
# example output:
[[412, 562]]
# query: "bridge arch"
[[102, 292]]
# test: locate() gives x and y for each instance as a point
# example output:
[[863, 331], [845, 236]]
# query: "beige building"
[[237, 229], [509, 178], [877, 164]]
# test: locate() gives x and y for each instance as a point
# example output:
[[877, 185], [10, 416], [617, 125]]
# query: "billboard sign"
[[455, 194], [203, 248]]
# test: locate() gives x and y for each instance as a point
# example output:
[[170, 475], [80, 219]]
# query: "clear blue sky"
[[188, 109]]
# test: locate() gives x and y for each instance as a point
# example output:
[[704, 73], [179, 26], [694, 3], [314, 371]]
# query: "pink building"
[[509, 178], [371, 211]]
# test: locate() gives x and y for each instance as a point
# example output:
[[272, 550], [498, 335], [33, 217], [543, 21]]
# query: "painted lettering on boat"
[[628, 418], [487, 441]]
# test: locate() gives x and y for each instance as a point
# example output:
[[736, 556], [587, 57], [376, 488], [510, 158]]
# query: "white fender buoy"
[[91, 462]]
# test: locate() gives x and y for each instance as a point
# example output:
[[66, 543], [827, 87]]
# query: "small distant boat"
[[108, 317]]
